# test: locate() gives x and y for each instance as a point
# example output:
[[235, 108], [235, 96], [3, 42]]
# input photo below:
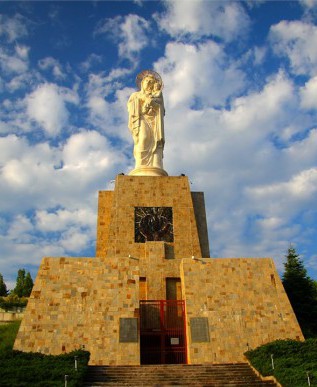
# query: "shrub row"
[[293, 361], [37, 370], [12, 302]]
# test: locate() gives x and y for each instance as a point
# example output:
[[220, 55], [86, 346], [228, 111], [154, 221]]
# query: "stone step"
[[239, 374]]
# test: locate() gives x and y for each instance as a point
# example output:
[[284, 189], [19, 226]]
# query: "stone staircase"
[[217, 375]]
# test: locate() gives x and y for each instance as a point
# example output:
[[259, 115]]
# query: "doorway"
[[162, 332]]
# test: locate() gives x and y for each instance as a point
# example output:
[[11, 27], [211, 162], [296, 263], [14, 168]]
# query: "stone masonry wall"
[[77, 302], [244, 302], [116, 225]]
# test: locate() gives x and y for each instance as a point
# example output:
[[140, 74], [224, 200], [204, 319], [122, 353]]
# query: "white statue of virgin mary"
[[146, 124]]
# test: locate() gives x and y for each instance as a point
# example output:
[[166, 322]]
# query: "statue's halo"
[[152, 73]]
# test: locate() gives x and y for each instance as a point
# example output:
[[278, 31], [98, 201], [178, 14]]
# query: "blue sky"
[[241, 107]]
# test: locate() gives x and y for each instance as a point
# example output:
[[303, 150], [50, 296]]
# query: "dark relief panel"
[[128, 330], [199, 329], [153, 224]]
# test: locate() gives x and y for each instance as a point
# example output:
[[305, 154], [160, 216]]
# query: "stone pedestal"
[[148, 171], [230, 304]]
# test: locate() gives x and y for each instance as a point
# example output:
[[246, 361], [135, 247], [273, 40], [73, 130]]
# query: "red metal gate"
[[162, 332]]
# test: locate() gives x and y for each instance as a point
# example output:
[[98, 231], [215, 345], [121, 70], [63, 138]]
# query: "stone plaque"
[[199, 329], [128, 330]]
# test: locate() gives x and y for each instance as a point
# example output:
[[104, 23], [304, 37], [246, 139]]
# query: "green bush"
[[35, 369], [292, 360], [12, 302]]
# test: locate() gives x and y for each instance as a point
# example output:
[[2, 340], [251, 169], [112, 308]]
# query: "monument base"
[[148, 171]]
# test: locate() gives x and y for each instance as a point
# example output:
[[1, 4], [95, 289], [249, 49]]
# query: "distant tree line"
[[23, 287]]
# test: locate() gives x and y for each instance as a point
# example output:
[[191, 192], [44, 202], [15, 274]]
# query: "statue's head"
[[149, 78], [147, 83]]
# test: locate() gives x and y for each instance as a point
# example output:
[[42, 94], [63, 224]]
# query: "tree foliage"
[[28, 285], [3, 287], [302, 293], [24, 284]]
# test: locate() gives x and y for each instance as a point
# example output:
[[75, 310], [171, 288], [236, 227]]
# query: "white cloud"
[[75, 240], [259, 55], [198, 18], [22, 51], [13, 63], [88, 152], [92, 60], [289, 197], [21, 81], [12, 28], [302, 153], [52, 64], [297, 41], [50, 193], [60, 220], [199, 75], [105, 116], [131, 32], [19, 229], [264, 110], [308, 94], [309, 4], [229, 151], [46, 105], [43, 176]]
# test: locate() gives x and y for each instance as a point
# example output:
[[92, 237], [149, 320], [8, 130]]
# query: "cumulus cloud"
[[261, 111], [14, 62], [226, 20], [309, 4], [131, 32], [92, 60], [19, 229], [46, 105], [106, 101], [50, 194], [302, 186], [297, 41], [89, 152], [43, 176], [199, 75], [12, 28], [230, 150], [53, 65], [249, 147], [308, 94], [62, 219]]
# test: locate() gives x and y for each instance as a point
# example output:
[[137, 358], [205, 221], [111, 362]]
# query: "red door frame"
[[163, 332]]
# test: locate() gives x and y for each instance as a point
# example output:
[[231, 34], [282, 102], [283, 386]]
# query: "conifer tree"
[[19, 286], [28, 285], [24, 284], [3, 287], [301, 291]]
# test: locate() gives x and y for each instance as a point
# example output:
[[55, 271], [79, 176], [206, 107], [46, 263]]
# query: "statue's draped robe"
[[147, 130]]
